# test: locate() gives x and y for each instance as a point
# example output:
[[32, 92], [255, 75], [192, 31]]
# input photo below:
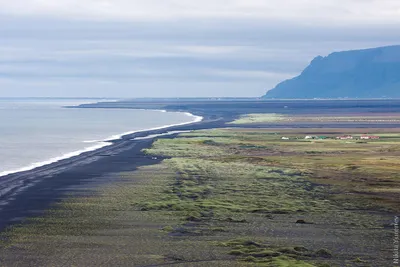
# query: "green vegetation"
[[257, 252], [203, 185], [227, 197], [273, 117], [259, 118]]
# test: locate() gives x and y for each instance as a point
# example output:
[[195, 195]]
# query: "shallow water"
[[38, 131]]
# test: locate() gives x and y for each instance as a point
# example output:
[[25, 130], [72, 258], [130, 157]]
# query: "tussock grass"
[[215, 199], [259, 118], [265, 255]]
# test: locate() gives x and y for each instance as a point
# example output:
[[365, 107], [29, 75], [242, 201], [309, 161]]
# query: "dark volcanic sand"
[[34, 191]]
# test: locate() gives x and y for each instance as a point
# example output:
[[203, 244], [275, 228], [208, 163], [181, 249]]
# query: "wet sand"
[[29, 193]]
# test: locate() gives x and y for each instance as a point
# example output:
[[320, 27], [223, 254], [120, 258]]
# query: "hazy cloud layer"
[[176, 47], [303, 10]]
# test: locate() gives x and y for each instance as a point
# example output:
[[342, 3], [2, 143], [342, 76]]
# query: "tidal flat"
[[229, 197]]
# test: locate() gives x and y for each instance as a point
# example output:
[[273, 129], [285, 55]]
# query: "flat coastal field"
[[234, 196]]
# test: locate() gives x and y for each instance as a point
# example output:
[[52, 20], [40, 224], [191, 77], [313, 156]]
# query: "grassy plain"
[[261, 118], [230, 197]]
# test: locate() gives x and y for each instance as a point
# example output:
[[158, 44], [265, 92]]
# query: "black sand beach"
[[224, 189], [29, 193]]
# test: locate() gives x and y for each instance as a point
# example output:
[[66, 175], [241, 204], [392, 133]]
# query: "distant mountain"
[[368, 73]]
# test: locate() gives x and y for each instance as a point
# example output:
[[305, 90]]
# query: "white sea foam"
[[56, 159], [102, 143], [119, 136]]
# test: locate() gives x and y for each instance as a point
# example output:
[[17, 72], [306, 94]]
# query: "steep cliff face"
[[369, 73]]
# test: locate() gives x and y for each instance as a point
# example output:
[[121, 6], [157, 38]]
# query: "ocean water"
[[35, 132]]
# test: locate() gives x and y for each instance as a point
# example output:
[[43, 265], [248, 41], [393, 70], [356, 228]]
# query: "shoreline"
[[29, 193], [208, 193], [98, 145], [215, 191]]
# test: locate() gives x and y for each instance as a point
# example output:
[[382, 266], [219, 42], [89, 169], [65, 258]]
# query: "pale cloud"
[[304, 11], [177, 47], [210, 50], [251, 74]]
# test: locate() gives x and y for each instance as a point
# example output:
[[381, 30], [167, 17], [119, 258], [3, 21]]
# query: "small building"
[[285, 138], [366, 137], [311, 137], [322, 137], [345, 137]]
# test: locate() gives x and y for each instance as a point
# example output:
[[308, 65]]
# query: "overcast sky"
[[169, 48]]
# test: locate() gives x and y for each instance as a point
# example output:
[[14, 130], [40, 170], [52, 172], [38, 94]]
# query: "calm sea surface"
[[34, 132]]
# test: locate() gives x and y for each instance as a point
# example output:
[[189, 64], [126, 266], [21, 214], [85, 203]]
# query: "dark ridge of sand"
[[34, 191], [236, 107], [230, 109]]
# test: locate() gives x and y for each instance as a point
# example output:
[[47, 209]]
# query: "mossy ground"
[[262, 118], [259, 118], [228, 197]]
